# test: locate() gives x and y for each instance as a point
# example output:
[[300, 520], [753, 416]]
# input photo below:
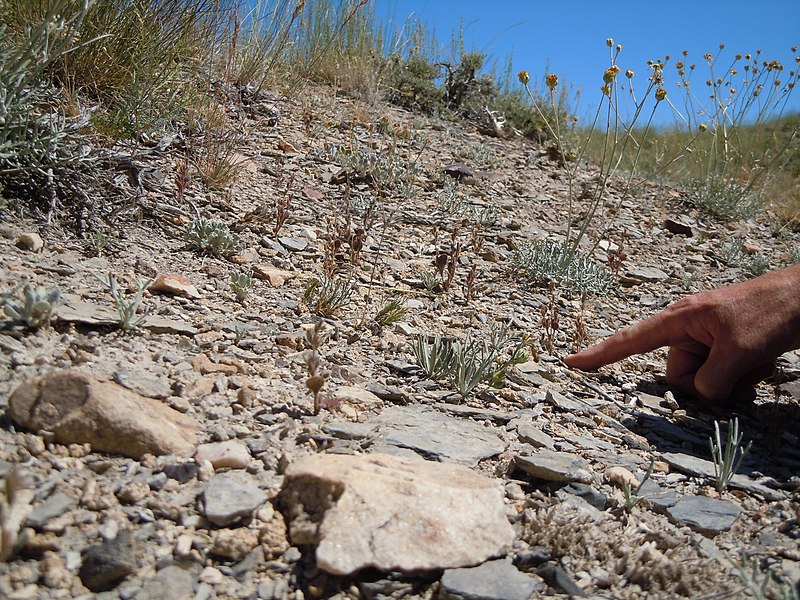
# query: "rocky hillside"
[[278, 438]]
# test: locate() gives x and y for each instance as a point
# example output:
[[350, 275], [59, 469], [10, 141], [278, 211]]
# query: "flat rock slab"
[[437, 436], [394, 513], [75, 310], [493, 580], [79, 409], [699, 467], [708, 516], [230, 497], [56, 505], [555, 466]]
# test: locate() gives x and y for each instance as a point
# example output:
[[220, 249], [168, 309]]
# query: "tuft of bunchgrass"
[[327, 296], [391, 313]]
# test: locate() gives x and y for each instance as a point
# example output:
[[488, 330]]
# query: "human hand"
[[719, 341]]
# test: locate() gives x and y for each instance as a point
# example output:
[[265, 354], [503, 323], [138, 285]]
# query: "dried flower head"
[[610, 74], [552, 81], [703, 127], [609, 42], [524, 77], [661, 93], [629, 73]]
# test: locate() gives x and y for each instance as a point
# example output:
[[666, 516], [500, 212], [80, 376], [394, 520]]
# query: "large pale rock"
[[79, 409], [394, 513]]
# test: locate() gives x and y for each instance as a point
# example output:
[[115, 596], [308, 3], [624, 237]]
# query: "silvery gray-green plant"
[[473, 361], [36, 308], [129, 316], [543, 261], [728, 458], [433, 354], [469, 362], [211, 237], [33, 134], [241, 283], [761, 583]]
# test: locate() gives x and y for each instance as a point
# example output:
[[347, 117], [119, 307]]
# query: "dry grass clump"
[[640, 560]]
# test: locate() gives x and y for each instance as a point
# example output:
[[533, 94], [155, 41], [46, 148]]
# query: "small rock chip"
[[286, 146], [234, 544], [708, 516], [54, 572], [175, 581], [619, 476], [555, 466], [204, 365], [275, 277], [104, 565], [678, 228], [274, 537], [133, 492], [29, 241], [230, 497], [178, 285], [231, 454], [293, 244], [531, 434], [56, 505]]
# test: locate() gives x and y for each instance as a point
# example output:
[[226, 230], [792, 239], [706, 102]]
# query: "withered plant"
[[316, 376], [549, 318], [580, 325]]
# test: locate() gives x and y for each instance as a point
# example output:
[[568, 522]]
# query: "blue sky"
[[569, 36]]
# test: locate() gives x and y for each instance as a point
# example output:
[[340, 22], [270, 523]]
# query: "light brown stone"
[[178, 285], [77, 408], [394, 513], [232, 454], [204, 365], [30, 241], [234, 543]]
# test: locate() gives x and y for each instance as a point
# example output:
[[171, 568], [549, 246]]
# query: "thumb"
[[716, 378]]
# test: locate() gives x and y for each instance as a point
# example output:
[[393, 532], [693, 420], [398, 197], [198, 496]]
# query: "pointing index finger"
[[644, 336]]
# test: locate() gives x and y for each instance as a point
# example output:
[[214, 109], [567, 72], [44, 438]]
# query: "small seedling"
[[728, 459], [37, 307], [211, 237], [241, 283], [130, 317], [632, 497], [429, 280], [465, 364]]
